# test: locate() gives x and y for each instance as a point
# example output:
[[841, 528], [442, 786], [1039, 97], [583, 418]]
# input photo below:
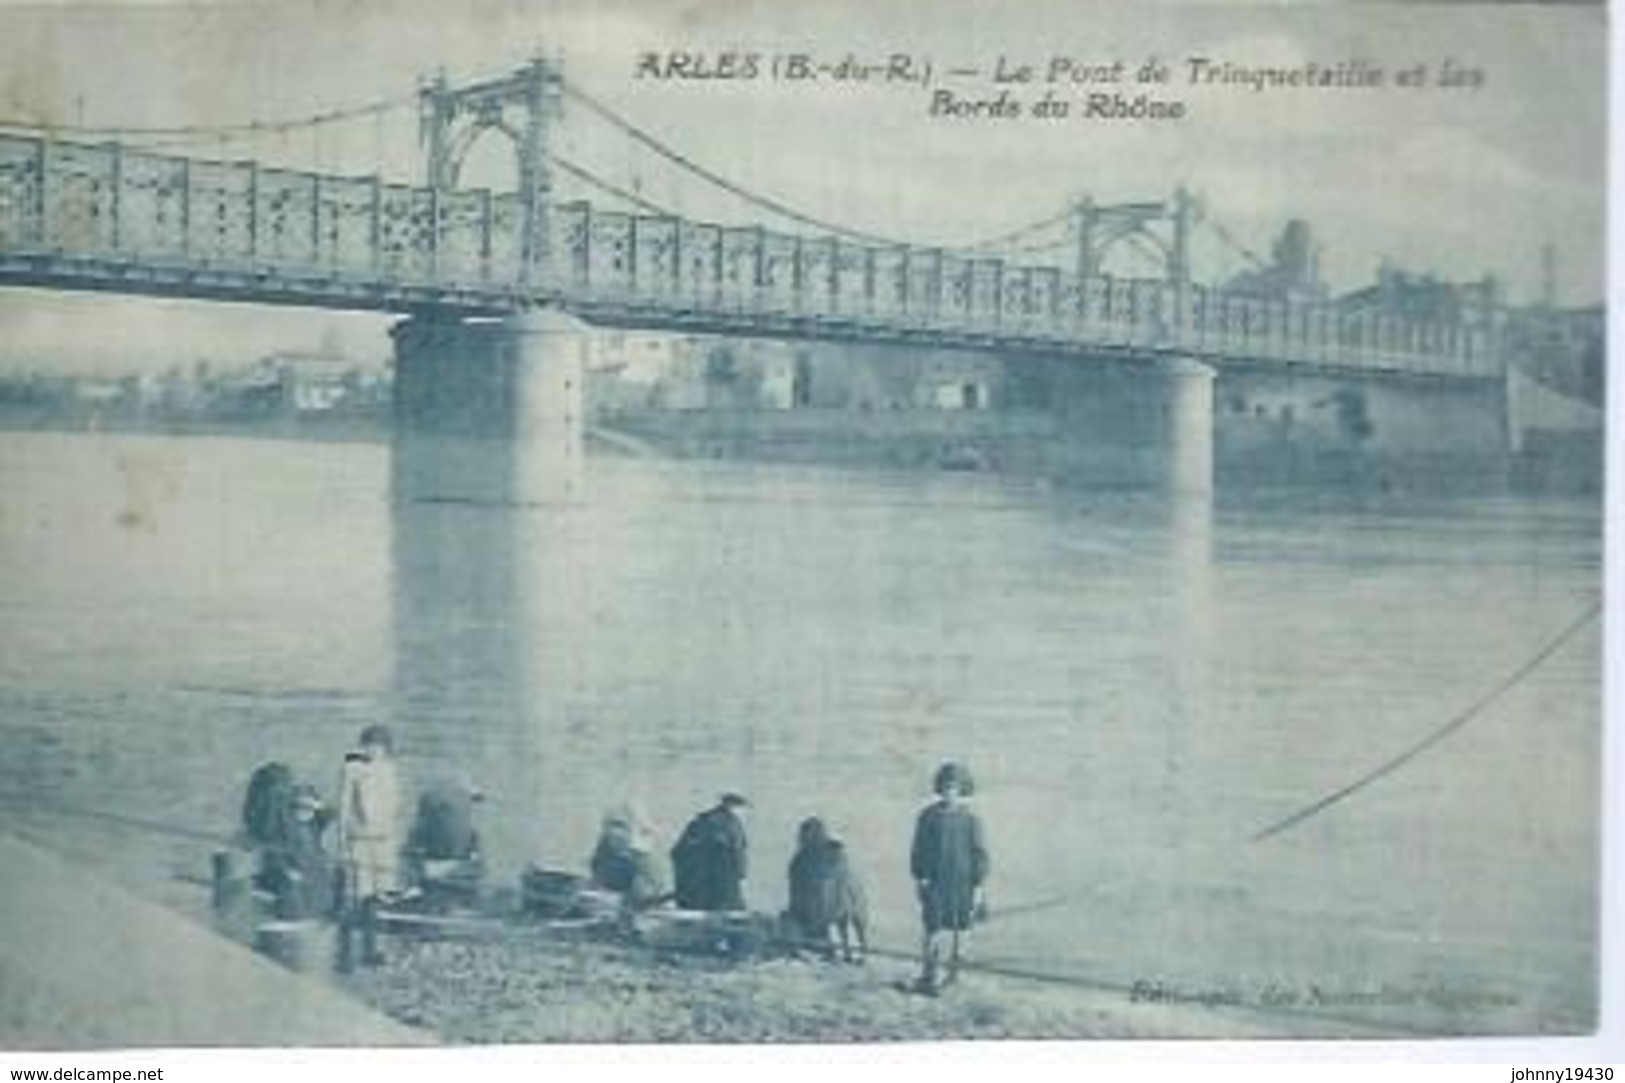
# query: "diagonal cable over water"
[[1472, 711]]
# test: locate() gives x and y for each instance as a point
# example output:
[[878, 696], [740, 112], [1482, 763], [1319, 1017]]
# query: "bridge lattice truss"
[[105, 216]]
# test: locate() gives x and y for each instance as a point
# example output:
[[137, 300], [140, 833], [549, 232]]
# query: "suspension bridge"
[[145, 212]]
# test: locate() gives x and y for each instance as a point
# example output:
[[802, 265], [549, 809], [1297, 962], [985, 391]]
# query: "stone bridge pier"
[[1128, 423], [488, 411], [1186, 386]]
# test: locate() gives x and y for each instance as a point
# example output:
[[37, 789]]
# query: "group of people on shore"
[[371, 863]]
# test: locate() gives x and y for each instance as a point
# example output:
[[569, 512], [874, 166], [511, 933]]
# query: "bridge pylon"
[[1100, 227], [522, 106], [1161, 229]]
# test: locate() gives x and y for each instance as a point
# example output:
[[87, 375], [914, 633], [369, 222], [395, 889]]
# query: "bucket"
[[549, 894], [297, 945]]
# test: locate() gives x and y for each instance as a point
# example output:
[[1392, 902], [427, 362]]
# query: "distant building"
[[639, 357], [246, 394], [294, 384], [1424, 296], [630, 371], [1293, 273], [644, 370], [782, 377], [310, 384], [97, 392], [747, 374], [961, 396], [890, 378], [1564, 349]]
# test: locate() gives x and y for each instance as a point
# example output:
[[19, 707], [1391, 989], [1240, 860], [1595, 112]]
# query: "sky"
[[1458, 181]]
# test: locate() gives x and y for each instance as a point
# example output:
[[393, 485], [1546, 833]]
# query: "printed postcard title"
[[1059, 87]]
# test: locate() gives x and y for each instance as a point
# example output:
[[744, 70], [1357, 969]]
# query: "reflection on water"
[[1139, 687]]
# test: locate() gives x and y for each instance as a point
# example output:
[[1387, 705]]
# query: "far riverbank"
[[1029, 444]]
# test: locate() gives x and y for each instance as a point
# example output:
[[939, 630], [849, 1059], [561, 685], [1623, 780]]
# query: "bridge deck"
[[77, 216]]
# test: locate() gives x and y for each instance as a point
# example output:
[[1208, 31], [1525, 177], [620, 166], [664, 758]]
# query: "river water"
[[1138, 691]]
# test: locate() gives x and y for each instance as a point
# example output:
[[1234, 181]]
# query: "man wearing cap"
[[708, 862], [949, 862]]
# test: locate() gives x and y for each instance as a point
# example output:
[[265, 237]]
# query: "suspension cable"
[[586, 176], [1229, 240], [1003, 240], [1020, 250], [683, 161], [757, 199], [205, 132], [1145, 249]]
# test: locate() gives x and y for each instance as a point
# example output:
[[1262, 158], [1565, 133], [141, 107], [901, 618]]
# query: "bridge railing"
[[110, 201], [149, 210], [611, 257]]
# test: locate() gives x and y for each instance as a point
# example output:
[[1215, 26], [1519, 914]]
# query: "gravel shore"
[[532, 989], [527, 986]]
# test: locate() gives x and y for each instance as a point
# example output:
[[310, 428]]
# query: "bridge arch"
[[1137, 238], [1160, 229], [521, 106], [474, 136]]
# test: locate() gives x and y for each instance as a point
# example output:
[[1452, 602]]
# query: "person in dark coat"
[[268, 804], [825, 894], [444, 828], [709, 860], [443, 847], [295, 867], [949, 863]]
